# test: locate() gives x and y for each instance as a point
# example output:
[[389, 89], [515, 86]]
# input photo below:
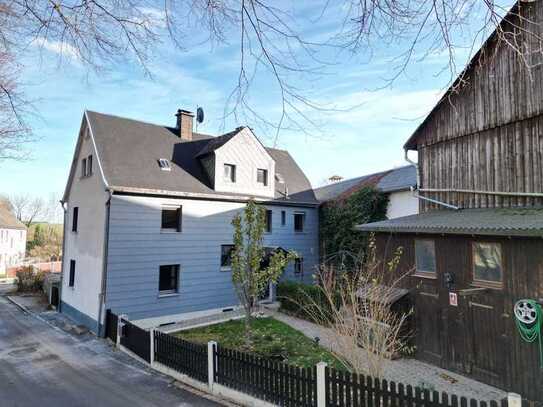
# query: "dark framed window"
[[425, 258], [75, 219], [299, 265], [84, 167], [89, 165], [172, 218], [283, 218], [269, 219], [262, 176], [226, 256], [168, 281], [230, 172], [71, 280], [299, 221], [487, 264]]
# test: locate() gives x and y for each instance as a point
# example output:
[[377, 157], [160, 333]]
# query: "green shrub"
[[29, 280], [303, 300]]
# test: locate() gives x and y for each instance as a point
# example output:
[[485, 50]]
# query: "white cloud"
[[59, 48]]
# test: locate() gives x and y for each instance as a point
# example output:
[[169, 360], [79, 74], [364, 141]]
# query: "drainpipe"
[[102, 294], [424, 198], [64, 206]]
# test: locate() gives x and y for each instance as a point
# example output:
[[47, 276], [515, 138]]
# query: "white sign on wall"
[[453, 299]]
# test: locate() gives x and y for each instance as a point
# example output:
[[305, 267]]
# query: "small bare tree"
[[355, 305], [28, 209], [249, 277]]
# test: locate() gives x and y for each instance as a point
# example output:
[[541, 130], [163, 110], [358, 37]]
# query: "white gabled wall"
[[12, 248], [247, 154], [402, 203], [137, 248], [86, 246]]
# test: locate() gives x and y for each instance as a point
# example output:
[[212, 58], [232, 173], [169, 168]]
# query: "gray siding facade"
[[137, 247]]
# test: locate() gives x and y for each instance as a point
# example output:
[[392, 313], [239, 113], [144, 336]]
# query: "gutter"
[[103, 284], [475, 191]]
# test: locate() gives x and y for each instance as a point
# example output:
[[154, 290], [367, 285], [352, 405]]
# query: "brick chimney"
[[184, 124]]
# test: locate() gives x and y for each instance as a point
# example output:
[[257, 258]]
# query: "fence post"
[[211, 345], [514, 400], [321, 384], [152, 347], [119, 324]]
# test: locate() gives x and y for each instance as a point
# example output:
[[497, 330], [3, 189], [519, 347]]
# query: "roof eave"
[[439, 231]]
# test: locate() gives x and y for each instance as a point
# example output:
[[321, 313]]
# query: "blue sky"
[[364, 139]]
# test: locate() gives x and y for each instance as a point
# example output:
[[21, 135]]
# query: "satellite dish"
[[200, 115]]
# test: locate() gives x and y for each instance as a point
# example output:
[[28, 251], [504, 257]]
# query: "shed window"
[[168, 279], [172, 219], [425, 253], [229, 172], [269, 218], [226, 256], [487, 264], [71, 280], [299, 221], [262, 176]]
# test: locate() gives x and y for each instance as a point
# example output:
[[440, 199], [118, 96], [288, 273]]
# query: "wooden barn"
[[476, 247]]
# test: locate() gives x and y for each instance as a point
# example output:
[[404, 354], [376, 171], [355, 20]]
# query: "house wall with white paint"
[[12, 248], [402, 203], [86, 245], [247, 154]]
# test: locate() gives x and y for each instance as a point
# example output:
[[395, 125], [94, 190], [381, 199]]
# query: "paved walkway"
[[407, 371]]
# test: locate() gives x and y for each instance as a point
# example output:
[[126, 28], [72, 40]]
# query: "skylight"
[[164, 164]]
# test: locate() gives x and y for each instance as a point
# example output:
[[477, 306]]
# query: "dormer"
[[237, 162]]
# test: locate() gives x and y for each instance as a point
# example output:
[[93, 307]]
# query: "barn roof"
[[488, 221]]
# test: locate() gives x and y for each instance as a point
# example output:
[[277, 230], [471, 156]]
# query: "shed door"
[[485, 351], [429, 327]]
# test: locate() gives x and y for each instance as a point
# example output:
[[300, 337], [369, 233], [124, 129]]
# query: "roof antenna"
[[199, 116]]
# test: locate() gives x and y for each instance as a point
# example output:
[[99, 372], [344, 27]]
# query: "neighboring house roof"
[[491, 221], [398, 179], [128, 151], [8, 219]]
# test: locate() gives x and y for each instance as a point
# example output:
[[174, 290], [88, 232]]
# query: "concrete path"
[[407, 371], [41, 365]]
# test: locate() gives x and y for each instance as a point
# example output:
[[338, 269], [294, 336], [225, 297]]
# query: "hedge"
[[301, 300]]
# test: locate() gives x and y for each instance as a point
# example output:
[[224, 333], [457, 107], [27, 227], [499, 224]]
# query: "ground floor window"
[[169, 279], [299, 265], [71, 280], [487, 264], [226, 256]]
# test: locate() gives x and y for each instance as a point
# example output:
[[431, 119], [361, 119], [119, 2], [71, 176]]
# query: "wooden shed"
[[477, 246]]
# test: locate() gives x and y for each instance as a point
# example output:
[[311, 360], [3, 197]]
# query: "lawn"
[[271, 339]]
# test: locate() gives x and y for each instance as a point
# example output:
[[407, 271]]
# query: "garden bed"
[[271, 339]]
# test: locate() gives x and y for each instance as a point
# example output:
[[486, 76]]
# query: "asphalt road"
[[44, 366]]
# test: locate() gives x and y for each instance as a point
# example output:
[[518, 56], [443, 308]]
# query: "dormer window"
[[230, 173], [262, 176], [164, 164]]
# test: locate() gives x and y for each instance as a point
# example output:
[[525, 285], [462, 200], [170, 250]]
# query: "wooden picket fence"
[[182, 356], [275, 382]]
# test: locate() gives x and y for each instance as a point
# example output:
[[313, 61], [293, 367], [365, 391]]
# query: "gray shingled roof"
[[492, 221], [7, 218], [129, 150], [398, 179]]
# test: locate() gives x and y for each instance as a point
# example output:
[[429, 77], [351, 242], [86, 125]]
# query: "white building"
[[397, 183], [12, 240]]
